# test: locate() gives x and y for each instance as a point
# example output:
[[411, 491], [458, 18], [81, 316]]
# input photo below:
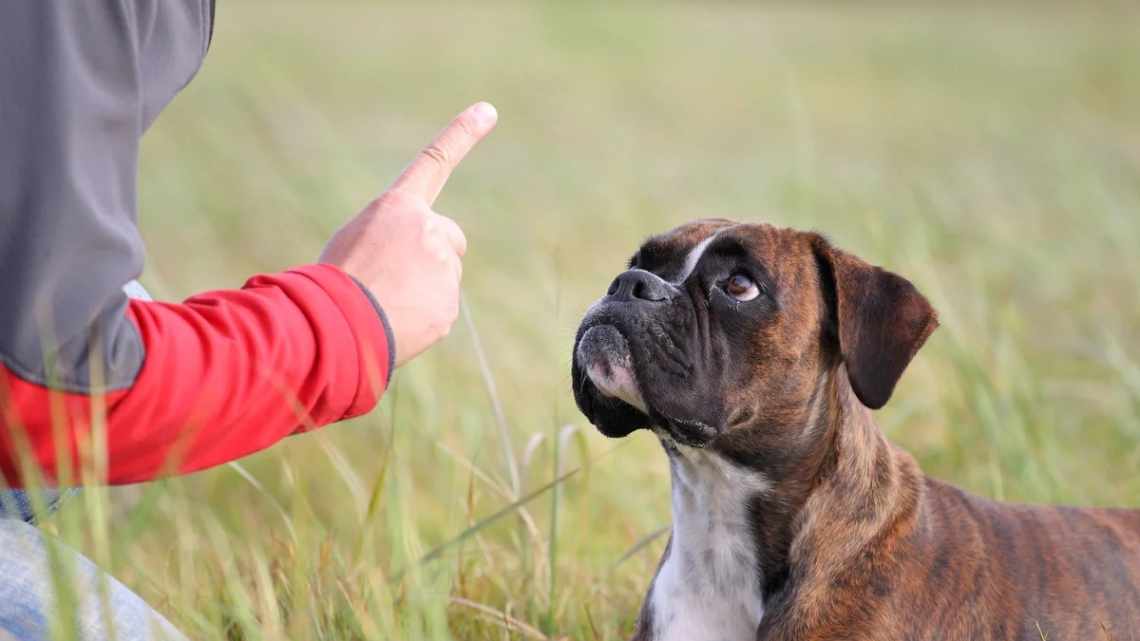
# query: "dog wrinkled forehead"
[[669, 250], [675, 254]]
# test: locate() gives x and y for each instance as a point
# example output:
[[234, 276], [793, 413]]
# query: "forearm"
[[225, 374]]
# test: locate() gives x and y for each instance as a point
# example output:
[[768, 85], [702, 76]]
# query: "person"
[[172, 388]]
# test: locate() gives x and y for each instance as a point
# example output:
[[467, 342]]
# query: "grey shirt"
[[80, 82]]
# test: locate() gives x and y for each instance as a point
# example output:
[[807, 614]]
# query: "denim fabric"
[[16, 504], [28, 588]]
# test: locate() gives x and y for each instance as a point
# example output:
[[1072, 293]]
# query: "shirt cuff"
[[376, 346], [387, 327]]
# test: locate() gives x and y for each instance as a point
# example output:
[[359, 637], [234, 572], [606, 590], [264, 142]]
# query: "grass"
[[992, 155]]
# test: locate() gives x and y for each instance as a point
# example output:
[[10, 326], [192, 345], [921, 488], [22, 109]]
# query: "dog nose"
[[638, 284]]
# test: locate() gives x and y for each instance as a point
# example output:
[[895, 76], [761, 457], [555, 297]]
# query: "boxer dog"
[[756, 355]]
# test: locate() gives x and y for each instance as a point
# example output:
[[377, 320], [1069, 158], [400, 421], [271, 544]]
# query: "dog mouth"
[[605, 356]]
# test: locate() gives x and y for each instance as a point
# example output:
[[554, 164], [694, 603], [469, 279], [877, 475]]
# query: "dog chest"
[[709, 587]]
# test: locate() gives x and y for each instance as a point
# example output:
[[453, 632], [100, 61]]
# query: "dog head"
[[718, 329]]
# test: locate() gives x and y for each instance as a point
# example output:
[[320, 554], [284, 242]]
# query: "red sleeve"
[[226, 374]]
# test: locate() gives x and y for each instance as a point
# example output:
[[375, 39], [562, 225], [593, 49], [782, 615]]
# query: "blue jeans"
[[29, 588], [103, 609]]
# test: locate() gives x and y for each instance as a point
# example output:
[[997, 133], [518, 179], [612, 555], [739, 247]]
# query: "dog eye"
[[741, 287]]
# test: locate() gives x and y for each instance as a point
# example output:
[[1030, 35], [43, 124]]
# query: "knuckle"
[[437, 153], [457, 231], [431, 233]]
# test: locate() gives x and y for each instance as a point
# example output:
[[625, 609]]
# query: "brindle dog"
[[756, 355]]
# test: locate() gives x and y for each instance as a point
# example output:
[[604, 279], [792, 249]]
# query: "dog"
[[756, 355]]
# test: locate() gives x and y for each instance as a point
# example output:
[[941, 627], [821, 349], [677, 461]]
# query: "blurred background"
[[988, 152]]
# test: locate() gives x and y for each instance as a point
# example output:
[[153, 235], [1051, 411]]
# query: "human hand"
[[407, 255]]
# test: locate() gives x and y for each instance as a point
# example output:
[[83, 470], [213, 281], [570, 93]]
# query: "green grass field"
[[992, 155]]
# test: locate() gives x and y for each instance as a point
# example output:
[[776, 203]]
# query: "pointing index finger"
[[429, 171]]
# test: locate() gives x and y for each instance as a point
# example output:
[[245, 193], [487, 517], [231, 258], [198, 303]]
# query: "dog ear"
[[879, 319]]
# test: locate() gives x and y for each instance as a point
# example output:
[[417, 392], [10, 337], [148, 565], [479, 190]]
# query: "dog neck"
[[859, 492], [863, 492], [745, 528], [708, 587]]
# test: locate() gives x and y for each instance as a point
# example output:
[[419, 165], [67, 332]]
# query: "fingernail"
[[485, 114]]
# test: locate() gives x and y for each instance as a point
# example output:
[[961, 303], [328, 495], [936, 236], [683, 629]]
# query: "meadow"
[[990, 153]]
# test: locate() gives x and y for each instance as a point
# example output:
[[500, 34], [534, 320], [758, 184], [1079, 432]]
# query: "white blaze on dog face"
[[693, 258]]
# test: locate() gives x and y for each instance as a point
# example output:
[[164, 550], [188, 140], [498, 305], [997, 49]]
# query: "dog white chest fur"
[[709, 588]]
